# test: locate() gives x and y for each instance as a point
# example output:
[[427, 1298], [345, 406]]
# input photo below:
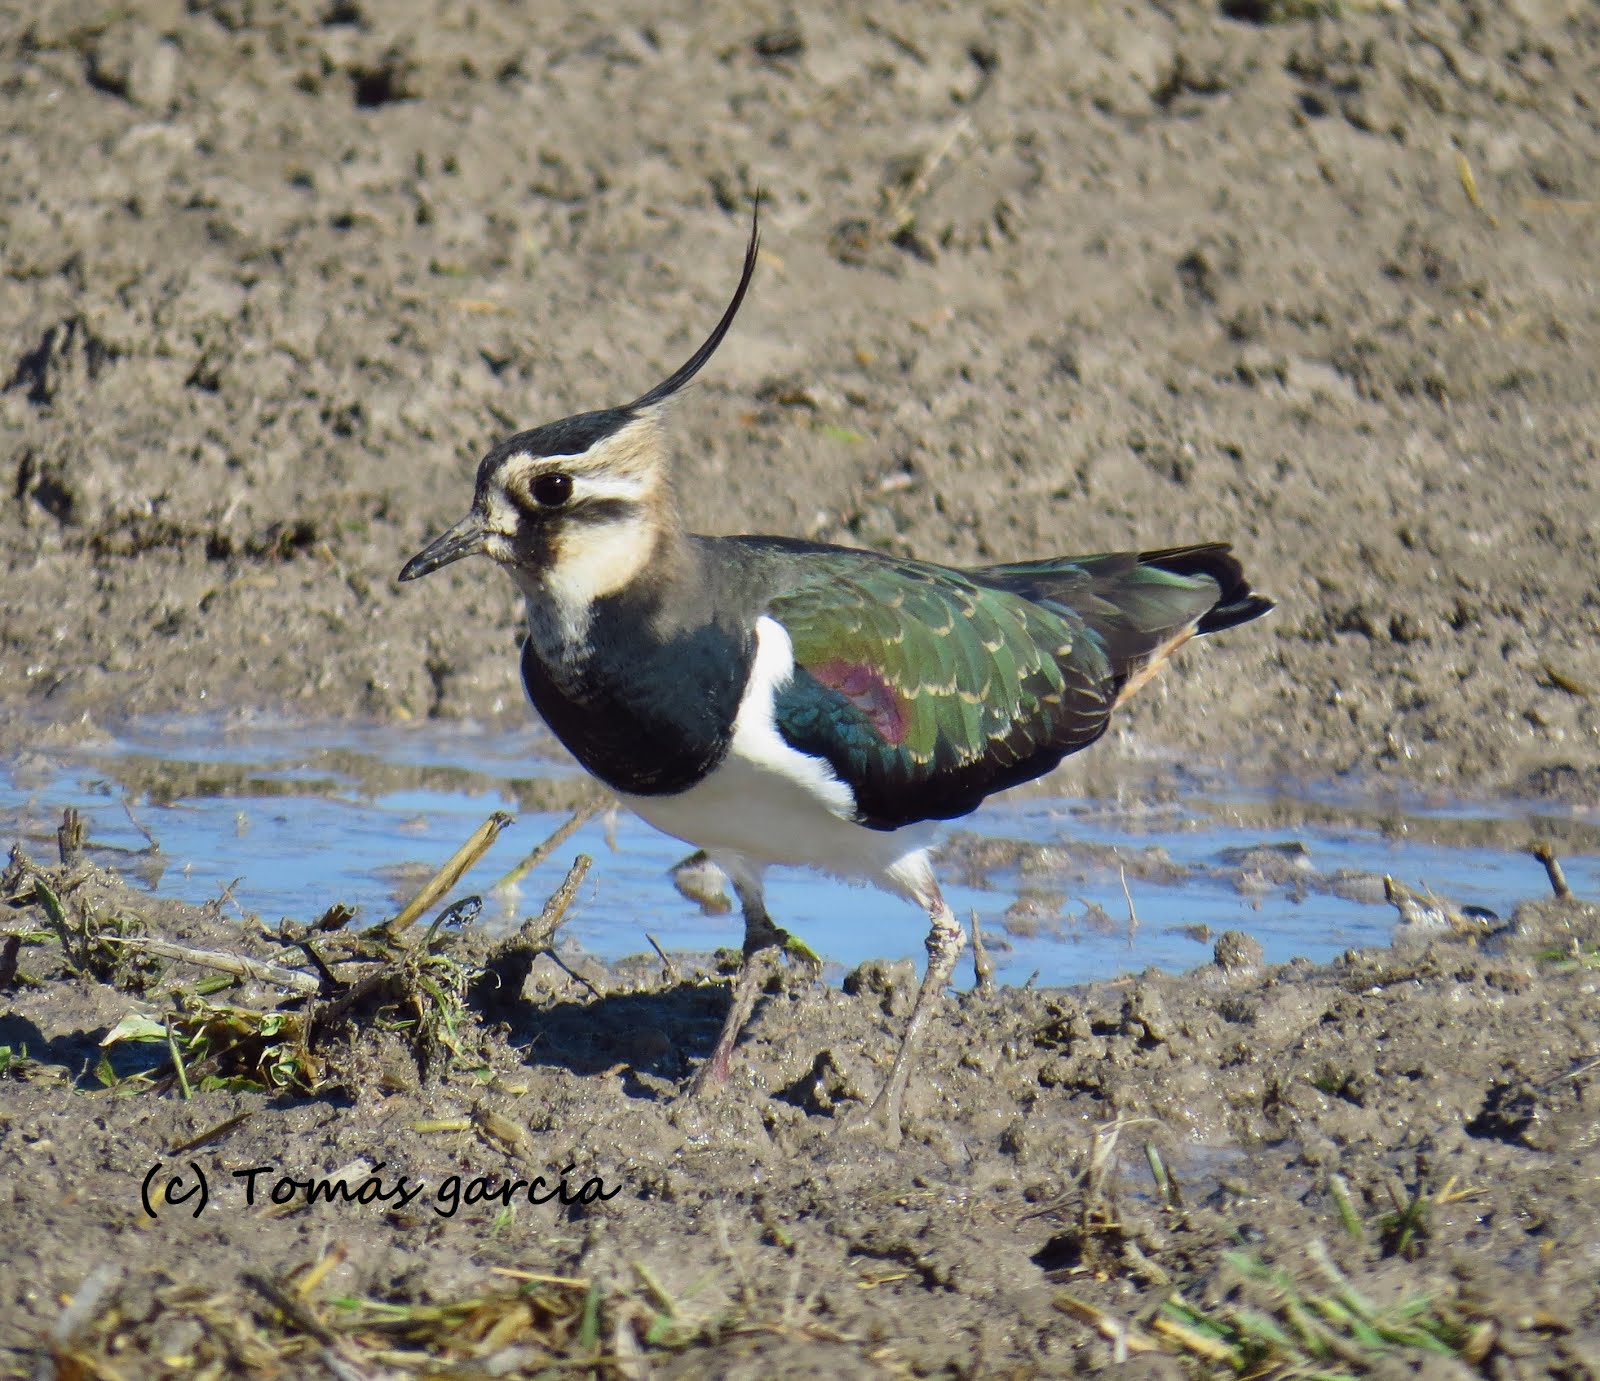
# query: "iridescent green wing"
[[927, 689]]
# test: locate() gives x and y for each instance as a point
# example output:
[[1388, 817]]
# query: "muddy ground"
[[1416, 1124], [1318, 280]]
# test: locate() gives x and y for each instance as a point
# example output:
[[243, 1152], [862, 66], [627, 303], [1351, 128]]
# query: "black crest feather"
[[692, 366]]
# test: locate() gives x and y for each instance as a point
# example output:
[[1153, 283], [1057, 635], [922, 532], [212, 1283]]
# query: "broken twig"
[[235, 964], [452, 872], [581, 815]]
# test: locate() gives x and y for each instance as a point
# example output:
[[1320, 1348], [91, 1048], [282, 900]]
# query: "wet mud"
[[1419, 1119]]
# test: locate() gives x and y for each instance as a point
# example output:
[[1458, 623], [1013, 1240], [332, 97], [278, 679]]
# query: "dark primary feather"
[[1137, 602], [928, 689]]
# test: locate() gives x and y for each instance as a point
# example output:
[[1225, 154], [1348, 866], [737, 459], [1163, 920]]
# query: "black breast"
[[646, 714]]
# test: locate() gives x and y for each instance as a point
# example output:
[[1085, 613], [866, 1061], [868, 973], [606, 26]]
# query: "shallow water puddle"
[[286, 820]]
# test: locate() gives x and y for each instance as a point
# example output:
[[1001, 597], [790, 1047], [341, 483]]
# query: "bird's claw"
[[799, 952], [880, 1121]]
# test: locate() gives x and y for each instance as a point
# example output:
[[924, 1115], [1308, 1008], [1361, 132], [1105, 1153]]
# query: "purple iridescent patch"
[[871, 692]]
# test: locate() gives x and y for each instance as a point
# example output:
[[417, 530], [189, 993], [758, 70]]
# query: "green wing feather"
[[928, 688]]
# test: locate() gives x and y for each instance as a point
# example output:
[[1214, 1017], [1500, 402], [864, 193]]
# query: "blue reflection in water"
[[287, 819]]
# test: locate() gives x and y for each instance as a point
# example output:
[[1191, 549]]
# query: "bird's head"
[[575, 509]]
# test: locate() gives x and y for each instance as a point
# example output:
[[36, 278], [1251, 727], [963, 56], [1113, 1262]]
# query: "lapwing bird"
[[775, 701]]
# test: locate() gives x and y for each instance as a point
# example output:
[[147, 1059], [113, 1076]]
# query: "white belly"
[[767, 803], [744, 809]]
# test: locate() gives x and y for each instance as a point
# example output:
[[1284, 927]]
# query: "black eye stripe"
[[596, 510], [602, 510]]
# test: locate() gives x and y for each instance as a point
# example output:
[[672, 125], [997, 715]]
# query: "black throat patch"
[[647, 714]]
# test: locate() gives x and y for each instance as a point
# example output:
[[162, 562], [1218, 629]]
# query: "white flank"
[[768, 803], [756, 739]]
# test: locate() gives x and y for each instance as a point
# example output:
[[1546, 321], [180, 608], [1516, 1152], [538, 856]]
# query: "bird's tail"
[[1236, 602], [1141, 606]]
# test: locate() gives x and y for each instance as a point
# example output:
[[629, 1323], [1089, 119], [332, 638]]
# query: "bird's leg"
[[762, 943], [946, 937]]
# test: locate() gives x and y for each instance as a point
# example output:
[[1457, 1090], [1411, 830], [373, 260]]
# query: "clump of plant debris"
[[347, 999]]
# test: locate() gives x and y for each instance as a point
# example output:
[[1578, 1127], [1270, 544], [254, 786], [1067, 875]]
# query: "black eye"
[[552, 490]]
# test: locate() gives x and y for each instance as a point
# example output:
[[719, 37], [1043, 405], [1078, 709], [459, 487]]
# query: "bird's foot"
[[799, 952], [883, 1118], [713, 1074], [982, 964], [879, 1121]]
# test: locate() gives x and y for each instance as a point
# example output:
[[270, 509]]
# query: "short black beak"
[[464, 539]]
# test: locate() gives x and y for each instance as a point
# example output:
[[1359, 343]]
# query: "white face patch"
[[589, 480], [593, 560], [500, 516], [588, 562]]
